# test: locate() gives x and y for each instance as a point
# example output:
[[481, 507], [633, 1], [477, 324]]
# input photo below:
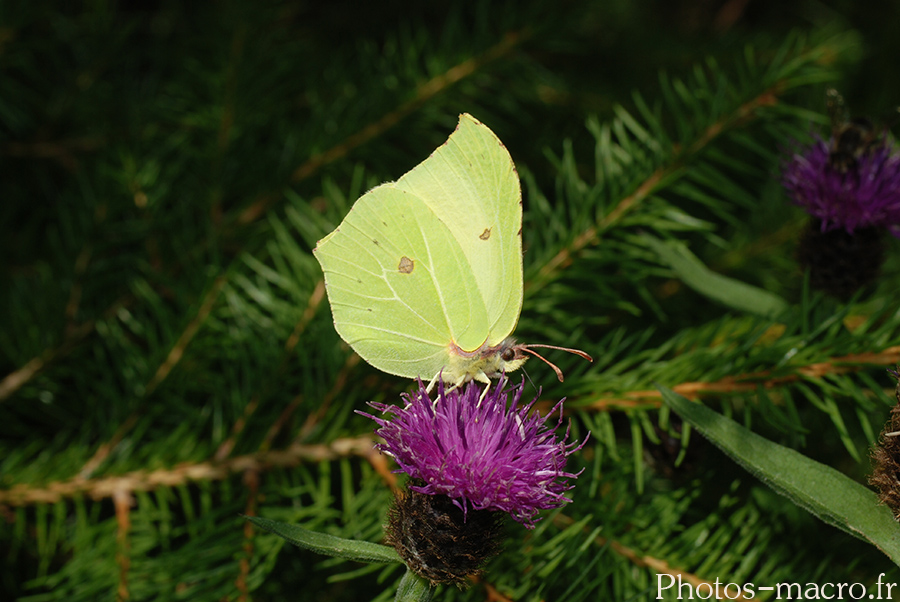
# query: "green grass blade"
[[728, 291], [330, 545], [832, 496]]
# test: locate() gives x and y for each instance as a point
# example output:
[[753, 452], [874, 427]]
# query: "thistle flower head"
[[484, 454], [865, 195]]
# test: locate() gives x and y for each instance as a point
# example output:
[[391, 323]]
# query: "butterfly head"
[[483, 363], [488, 362]]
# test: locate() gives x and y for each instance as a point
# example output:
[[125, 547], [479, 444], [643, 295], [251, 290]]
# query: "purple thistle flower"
[[867, 195], [487, 455]]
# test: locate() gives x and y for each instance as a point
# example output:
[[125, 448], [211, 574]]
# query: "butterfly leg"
[[483, 378], [433, 382], [446, 390]]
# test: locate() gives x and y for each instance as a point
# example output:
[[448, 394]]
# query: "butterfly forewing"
[[471, 185]]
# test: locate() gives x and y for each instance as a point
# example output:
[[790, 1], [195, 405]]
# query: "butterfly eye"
[[508, 355]]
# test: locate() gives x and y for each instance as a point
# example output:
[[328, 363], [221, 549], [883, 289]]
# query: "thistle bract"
[[438, 541], [885, 455], [484, 454]]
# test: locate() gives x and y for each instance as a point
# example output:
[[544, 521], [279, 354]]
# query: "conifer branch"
[[312, 306], [297, 452], [187, 472], [251, 481], [123, 502], [591, 235], [164, 369], [493, 595], [315, 300], [340, 381], [226, 122], [82, 261], [186, 336], [224, 449], [104, 450], [422, 94], [81, 264], [7, 35], [14, 380], [163, 148], [74, 333], [747, 383], [63, 151], [657, 565], [311, 420], [382, 466]]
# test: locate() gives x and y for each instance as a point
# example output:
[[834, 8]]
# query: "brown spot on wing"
[[485, 235], [406, 266]]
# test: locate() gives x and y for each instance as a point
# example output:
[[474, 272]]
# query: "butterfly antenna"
[[577, 352], [559, 373]]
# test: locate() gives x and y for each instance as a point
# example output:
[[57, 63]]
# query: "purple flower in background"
[[484, 455], [847, 192], [850, 186]]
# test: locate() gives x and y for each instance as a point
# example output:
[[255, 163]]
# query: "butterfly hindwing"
[[395, 275]]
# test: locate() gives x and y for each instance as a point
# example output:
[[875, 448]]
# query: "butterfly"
[[424, 275]]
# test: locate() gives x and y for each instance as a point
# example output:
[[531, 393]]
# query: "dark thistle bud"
[[840, 262], [440, 542], [852, 196], [886, 458]]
